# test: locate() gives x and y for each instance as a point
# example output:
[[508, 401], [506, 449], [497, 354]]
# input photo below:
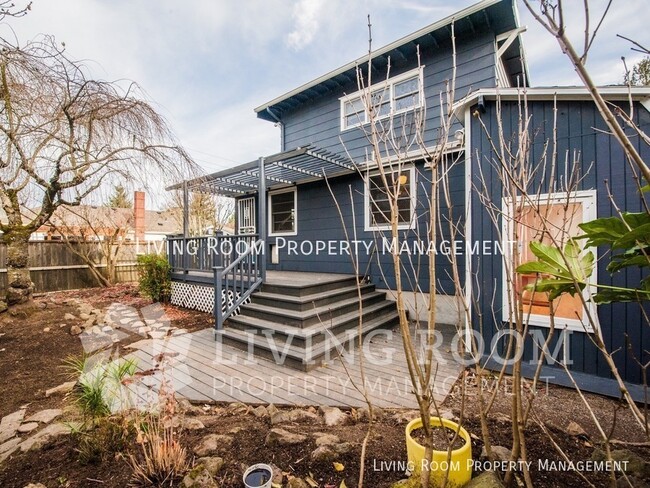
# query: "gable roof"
[[499, 15]]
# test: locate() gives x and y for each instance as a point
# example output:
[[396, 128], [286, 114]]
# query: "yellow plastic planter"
[[459, 465]]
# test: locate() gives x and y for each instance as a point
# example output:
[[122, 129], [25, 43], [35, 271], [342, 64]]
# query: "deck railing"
[[204, 253], [234, 283]]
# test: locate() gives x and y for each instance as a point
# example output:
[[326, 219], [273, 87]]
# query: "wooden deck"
[[203, 370]]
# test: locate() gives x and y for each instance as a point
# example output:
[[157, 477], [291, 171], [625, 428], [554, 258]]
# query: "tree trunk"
[[19, 283]]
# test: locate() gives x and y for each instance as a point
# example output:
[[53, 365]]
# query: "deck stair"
[[301, 325]]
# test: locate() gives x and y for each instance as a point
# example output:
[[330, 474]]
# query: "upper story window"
[[394, 96]]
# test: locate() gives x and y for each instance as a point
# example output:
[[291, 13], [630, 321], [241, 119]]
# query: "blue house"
[[311, 220]]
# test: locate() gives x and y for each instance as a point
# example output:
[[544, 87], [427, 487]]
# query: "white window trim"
[[390, 84], [589, 212], [368, 226], [295, 212]]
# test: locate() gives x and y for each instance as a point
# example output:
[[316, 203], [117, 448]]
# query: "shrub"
[[99, 388], [154, 274]]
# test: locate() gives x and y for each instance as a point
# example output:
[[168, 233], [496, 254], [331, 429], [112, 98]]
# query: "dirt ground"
[[37, 339], [29, 365]]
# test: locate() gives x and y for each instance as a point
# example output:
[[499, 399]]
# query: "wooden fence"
[[54, 266]]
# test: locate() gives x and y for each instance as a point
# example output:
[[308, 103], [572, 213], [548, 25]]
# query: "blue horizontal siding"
[[318, 219], [318, 122]]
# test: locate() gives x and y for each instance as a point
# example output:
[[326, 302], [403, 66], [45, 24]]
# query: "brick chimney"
[[138, 214]]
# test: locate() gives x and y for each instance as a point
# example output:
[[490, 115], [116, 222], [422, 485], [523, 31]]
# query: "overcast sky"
[[207, 63]]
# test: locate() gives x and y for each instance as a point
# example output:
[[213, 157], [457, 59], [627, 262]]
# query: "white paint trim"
[[615, 93], [248, 202], [468, 230], [366, 200], [472, 9], [589, 212], [269, 212], [386, 84]]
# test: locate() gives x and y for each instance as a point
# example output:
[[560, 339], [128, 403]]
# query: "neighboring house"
[[321, 126], [90, 222]]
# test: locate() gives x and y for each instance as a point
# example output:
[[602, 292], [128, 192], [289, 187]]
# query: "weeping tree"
[[64, 135]]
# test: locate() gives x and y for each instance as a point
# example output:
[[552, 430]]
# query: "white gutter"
[[472, 9], [577, 93]]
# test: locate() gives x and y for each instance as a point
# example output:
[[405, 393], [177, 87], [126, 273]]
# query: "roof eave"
[[477, 7]]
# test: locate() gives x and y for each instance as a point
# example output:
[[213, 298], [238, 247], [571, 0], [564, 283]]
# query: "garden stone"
[[272, 409], [199, 477], [75, 330], [10, 445], [211, 444], [343, 448], [574, 429], [323, 439], [334, 416], [28, 427], [489, 479], [68, 316], [35, 485], [500, 453], [260, 412], [45, 416], [156, 334], [324, 454], [192, 424], [283, 437], [3, 306], [10, 423], [84, 316], [297, 483], [636, 465], [211, 464], [295, 415], [62, 388], [363, 413], [41, 438]]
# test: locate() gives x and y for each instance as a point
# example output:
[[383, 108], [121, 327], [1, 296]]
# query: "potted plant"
[[459, 465]]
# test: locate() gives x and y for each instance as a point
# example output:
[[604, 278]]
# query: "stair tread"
[[310, 330], [299, 353], [312, 312], [308, 298], [342, 279]]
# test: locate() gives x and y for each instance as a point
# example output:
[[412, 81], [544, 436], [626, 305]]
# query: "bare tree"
[[552, 16], [62, 135], [9, 9], [206, 211], [96, 235]]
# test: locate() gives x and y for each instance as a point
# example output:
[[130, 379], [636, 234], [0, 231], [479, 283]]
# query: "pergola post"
[[186, 226], [261, 217]]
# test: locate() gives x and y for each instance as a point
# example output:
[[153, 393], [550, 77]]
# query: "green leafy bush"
[[154, 274]]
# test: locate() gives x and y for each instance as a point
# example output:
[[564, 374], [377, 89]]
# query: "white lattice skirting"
[[200, 297]]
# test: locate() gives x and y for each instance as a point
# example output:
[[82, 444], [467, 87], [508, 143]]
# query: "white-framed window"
[[391, 97], [283, 212], [563, 213], [377, 201], [246, 216]]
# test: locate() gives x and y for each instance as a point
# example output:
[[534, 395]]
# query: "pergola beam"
[[296, 169], [330, 160]]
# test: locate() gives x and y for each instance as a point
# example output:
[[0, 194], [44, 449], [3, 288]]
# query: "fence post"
[[218, 297]]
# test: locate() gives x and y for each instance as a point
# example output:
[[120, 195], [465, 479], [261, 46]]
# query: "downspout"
[[281, 124]]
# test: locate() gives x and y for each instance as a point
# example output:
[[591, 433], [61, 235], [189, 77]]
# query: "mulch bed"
[[30, 360]]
